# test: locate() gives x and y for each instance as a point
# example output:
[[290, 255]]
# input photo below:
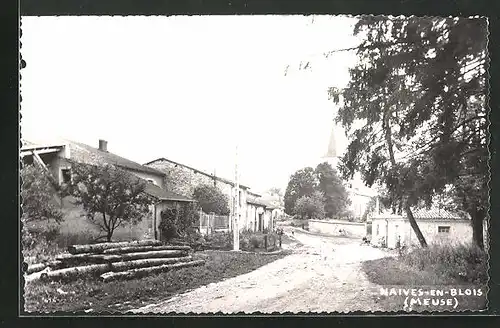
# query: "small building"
[[436, 225], [57, 157]]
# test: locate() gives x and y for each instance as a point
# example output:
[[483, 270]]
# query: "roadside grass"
[[90, 295], [435, 267]]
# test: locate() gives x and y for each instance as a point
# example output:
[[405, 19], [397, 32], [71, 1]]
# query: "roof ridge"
[[220, 178], [138, 166]]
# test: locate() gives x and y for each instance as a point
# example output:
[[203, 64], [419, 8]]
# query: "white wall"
[[460, 231], [352, 229]]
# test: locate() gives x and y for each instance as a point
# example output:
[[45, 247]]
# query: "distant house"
[[437, 226], [57, 159]]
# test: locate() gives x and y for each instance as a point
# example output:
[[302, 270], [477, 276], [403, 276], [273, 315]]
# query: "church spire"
[[332, 145]]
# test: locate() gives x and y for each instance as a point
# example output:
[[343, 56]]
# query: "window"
[[443, 229], [377, 229], [66, 175]]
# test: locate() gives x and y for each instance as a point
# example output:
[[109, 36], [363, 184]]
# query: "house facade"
[[437, 226], [57, 158], [254, 213]]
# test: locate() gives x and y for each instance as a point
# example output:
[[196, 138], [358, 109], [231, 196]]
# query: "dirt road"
[[323, 275]]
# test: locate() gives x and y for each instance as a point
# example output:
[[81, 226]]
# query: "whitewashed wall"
[[333, 227], [460, 231]]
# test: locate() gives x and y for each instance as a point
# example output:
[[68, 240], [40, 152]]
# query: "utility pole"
[[236, 230]]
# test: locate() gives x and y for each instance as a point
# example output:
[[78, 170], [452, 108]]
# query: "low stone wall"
[[338, 228]]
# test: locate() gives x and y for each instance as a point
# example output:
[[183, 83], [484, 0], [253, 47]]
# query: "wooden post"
[[208, 224], [201, 220], [265, 242]]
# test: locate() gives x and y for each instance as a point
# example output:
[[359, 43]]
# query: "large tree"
[[336, 198], [415, 112], [211, 199], [110, 196], [311, 206], [302, 183]]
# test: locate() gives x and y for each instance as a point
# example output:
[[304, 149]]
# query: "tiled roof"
[[259, 202], [229, 182], [423, 214], [87, 154], [163, 194]]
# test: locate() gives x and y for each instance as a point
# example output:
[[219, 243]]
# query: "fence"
[[209, 223]]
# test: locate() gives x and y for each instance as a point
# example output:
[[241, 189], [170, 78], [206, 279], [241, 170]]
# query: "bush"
[[466, 263], [178, 223], [256, 242]]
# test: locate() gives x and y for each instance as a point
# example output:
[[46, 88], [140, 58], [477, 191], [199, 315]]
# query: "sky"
[[189, 88]]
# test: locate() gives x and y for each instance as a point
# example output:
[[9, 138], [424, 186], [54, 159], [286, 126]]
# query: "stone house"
[[437, 226], [57, 158], [183, 179], [255, 213]]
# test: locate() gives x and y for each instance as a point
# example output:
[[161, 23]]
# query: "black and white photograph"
[[244, 164]]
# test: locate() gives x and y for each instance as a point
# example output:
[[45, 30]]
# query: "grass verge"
[[436, 268], [91, 295]]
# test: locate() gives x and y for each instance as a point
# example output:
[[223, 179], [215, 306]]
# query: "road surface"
[[322, 275]]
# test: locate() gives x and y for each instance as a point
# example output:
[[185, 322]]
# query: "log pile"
[[112, 261]]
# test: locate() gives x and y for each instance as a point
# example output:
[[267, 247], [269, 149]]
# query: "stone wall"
[[183, 180], [338, 228]]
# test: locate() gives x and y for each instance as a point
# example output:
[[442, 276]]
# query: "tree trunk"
[[109, 258], [96, 269], [409, 213], [414, 226], [109, 234], [36, 268], [477, 221], [75, 272], [130, 249], [137, 273], [99, 248]]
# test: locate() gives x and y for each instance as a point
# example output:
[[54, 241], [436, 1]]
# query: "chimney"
[[103, 145], [377, 206]]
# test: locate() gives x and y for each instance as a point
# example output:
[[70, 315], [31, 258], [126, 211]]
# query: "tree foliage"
[[211, 199], [111, 197], [38, 195], [322, 179], [415, 111], [311, 206], [336, 198], [39, 207], [302, 183], [278, 193], [178, 221]]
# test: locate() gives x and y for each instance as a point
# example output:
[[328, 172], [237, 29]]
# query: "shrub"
[[41, 216], [466, 263], [178, 222], [211, 199], [255, 242]]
